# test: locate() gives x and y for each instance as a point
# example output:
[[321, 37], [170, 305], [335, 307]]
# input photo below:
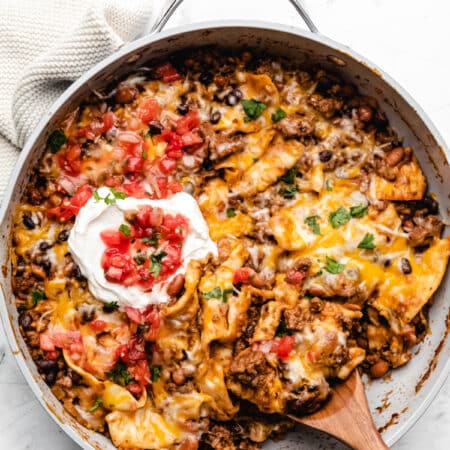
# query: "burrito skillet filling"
[[207, 245]]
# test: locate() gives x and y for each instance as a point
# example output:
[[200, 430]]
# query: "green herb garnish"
[[253, 109], [367, 242], [116, 195], [358, 211], [110, 307], [139, 259], [125, 230], [156, 266], [312, 223], [231, 212], [278, 114], [36, 297], [152, 240], [328, 186], [333, 266], [289, 191], [339, 217], [56, 140], [144, 154], [218, 293], [289, 176], [155, 372], [120, 375], [96, 404]]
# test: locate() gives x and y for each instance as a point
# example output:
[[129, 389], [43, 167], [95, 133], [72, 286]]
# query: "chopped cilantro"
[[218, 293], [289, 191], [108, 199], [253, 109], [214, 293], [333, 266], [152, 240], [144, 154], [231, 212], [289, 176], [96, 404], [110, 307], [339, 217], [328, 186], [278, 114], [56, 140], [125, 230], [282, 329], [358, 211], [156, 259], [226, 293], [155, 372], [36, 297], [367, 242], [311, 221], [139, 258], [119, 374]]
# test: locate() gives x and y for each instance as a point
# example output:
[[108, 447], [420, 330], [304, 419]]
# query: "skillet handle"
[[168, 11]]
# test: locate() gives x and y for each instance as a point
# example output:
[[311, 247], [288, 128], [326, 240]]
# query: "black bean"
[[63, 235], [206, 77], [231, 99], [28, 222], [46, 365], [50, 378], [405, 266], [325, 155], [76, 379], [46, 265], [77, 274], [183, 109], [155, 127], [44, 245], [25, 320], [215, 117], [431, 204], [387, 262], [237, 93]]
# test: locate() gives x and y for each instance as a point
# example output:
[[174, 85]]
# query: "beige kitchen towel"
[[47, 44]]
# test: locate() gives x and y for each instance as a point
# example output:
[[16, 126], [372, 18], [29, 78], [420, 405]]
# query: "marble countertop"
[[409, 39]]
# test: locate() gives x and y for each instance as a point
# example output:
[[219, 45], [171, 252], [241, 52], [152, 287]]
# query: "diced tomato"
[[172, 261], [71, 207], [69, 160], [133, 164], [98, 126], [189, 139], [81, 197], [149, 110], [54, 355], [134, 314], [46, 343], [167, 165], [294, 277], [282, 346], [188, 122], [140, 372], [153, 318], [168, 73], [174, 144], [174, 187], [133, 351], [135, 389], [108, 121], [135, 189], [242, 275], [98, 325], [113, 238]]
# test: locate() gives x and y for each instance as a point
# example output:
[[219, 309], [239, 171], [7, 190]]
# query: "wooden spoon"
[[347, 417]]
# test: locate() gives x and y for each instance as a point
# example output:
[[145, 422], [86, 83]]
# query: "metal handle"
[[167, 13]]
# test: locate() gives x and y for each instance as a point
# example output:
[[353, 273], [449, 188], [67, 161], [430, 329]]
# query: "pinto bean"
[[178, 377], [126, 93], [394, 156], [365, 113], [379, 369], [176, 285]]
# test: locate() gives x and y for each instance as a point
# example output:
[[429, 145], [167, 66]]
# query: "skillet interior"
[[404, 116]]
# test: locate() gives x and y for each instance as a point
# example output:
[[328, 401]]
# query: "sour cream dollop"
[[87, 248]]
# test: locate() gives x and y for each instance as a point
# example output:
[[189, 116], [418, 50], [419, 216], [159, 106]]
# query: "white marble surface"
[[410, 40]]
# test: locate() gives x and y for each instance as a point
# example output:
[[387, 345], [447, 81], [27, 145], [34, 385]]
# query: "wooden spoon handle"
[[347, 417]]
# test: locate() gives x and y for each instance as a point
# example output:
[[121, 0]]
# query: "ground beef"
[[295, 126], [422, 230], [307, 399], [327, 106]]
